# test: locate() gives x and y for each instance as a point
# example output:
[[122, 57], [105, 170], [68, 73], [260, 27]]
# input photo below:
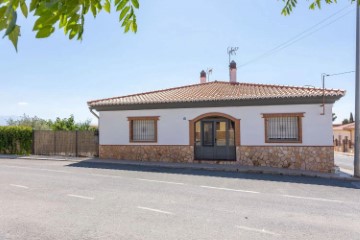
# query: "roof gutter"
[[224, 103], [92, 111]]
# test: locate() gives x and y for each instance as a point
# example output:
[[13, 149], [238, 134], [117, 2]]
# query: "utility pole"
[[323, 77], [357, 95]]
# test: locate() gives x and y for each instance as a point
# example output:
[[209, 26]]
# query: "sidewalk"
[[345, 153], [197, 166]]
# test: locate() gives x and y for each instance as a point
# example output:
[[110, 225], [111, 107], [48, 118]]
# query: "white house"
[[222, 122]]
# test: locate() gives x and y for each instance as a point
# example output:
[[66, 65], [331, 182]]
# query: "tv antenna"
[[231, 51], [208, 72]]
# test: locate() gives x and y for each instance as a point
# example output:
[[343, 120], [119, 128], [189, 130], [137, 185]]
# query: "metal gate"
[[215, 139]]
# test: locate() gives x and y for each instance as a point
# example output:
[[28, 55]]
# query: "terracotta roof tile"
[[217, 91], [348, 126]]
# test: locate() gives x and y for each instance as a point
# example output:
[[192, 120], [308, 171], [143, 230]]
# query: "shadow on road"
[[218, 174]]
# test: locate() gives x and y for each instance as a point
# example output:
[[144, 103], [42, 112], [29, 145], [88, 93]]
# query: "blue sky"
[[55, 77]]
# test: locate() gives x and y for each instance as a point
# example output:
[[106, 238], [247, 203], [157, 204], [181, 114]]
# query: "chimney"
[[203, 77], [233, 71]]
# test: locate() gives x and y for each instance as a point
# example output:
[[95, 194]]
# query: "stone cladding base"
[[151, 153], [311, 158]]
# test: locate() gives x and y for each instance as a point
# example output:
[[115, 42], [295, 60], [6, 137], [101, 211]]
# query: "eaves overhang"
[[218, 103]]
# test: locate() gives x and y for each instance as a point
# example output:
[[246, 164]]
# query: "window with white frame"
[[143, 129], [283, 127]]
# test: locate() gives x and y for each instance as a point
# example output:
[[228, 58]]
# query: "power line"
[[300, 36]]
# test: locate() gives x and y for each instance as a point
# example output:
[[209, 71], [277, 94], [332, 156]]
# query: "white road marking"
[[40, 169], [79, 196], [314, 199], [103, 175], [230, 189], [19, 186], [158, 181], [155, 210], [258, 230]]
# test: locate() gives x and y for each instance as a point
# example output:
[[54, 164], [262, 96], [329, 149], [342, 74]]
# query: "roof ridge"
[[290, 86], [277, 85]]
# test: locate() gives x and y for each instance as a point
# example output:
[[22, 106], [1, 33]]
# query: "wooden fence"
[[66, 143]]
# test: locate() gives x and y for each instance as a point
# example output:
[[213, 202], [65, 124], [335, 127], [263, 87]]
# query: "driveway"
[[66, 200]]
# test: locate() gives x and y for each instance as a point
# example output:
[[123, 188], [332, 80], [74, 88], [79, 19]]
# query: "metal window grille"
[[143, 130], [283, 128]]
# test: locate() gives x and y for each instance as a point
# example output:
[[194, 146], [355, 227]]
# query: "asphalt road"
[[64, 200]]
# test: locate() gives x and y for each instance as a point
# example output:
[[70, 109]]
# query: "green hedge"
[[15, 140]]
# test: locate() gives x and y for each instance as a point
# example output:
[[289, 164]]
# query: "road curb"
[[228, 169], [224, 168]]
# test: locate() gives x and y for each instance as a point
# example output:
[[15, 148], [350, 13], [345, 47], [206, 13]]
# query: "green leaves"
[[127, 16], [45, 32], [107, 6], [12, 23], [8, 18], [24, 8], [123, 13], [291, 4], [68, 15], [15, 140], [14, 36], [135, 3]]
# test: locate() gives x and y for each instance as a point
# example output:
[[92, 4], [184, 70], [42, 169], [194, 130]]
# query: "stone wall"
[[320, 159], [161, 153]]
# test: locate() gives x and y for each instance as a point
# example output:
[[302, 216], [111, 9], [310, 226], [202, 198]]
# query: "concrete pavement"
[[87, 200], [345, 162]]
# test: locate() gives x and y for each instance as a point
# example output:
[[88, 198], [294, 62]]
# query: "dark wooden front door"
[[215, 139]]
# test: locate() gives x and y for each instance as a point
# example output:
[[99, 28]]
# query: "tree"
[[345, 121], [70, 15], [34, 122], [334, 117], [351, 119], [68, 124], [64, 124], [66, 14], [291, 4]]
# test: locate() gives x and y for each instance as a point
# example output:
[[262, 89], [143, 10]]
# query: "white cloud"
[[23, 103]]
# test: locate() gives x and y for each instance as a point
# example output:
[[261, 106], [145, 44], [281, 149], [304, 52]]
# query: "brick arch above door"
[[214, 114]]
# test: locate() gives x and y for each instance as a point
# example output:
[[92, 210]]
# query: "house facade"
[[223, 123]]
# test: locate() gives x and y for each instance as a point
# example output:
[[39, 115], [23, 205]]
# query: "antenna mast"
[[208, 72], [231, 51]]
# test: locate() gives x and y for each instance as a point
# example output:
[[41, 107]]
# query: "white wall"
[[343, 134], [174, 130]]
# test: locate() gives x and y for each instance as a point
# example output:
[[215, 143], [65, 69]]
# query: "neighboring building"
[[222, 122], [344, 137]]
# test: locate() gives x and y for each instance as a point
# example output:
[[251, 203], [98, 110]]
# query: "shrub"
[[15, 140]]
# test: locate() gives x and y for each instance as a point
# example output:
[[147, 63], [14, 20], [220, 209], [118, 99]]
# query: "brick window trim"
[[299, 116], [131, 119]]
